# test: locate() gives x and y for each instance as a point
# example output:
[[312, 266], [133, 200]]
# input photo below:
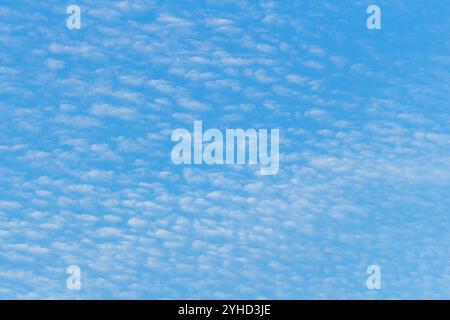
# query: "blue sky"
[[85, 171]]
